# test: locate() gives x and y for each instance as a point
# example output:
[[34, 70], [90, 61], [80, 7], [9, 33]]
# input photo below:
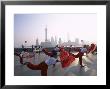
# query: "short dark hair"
[[56, 46], [54, 53], [85, 46]]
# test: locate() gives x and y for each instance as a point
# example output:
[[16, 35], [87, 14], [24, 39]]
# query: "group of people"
[[65, 57]]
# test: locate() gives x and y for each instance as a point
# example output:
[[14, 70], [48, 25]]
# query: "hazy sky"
[[29, 27]]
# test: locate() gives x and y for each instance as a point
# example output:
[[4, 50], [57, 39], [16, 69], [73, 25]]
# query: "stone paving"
[[74, 69]]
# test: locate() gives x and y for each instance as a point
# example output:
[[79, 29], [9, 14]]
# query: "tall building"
[[55, 40], [46, 34], [60, 41], [37, 42], [77, 41], [48, 42], [68, 38], [52, 39]]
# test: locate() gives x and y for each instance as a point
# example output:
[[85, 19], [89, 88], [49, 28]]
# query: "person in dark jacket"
[[81, 54]]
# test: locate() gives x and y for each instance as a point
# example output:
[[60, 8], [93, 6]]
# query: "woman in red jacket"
[[66, 58]]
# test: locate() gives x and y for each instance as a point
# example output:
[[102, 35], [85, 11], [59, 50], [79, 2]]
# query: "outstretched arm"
[[21, 59], [31, 66], [76, 56]]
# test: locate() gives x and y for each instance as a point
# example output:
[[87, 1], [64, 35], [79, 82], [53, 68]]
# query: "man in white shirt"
[[43, 66]]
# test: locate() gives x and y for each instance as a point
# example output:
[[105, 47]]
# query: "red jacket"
[[66, 58]]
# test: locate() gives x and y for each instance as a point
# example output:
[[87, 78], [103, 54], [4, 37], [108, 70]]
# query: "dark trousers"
[[79, 55], [80, 61]]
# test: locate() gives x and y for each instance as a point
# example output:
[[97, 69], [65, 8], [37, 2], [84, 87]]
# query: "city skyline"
[[53, 42], [29, 27]]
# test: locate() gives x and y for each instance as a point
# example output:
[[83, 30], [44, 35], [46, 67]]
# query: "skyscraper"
[[52, 40], [60, 41], [46, 34], [37, 42], [55, 40], [77, 41]]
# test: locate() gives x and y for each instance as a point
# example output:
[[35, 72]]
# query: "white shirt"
[[56, 49], [83, 50], [51, 61]]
